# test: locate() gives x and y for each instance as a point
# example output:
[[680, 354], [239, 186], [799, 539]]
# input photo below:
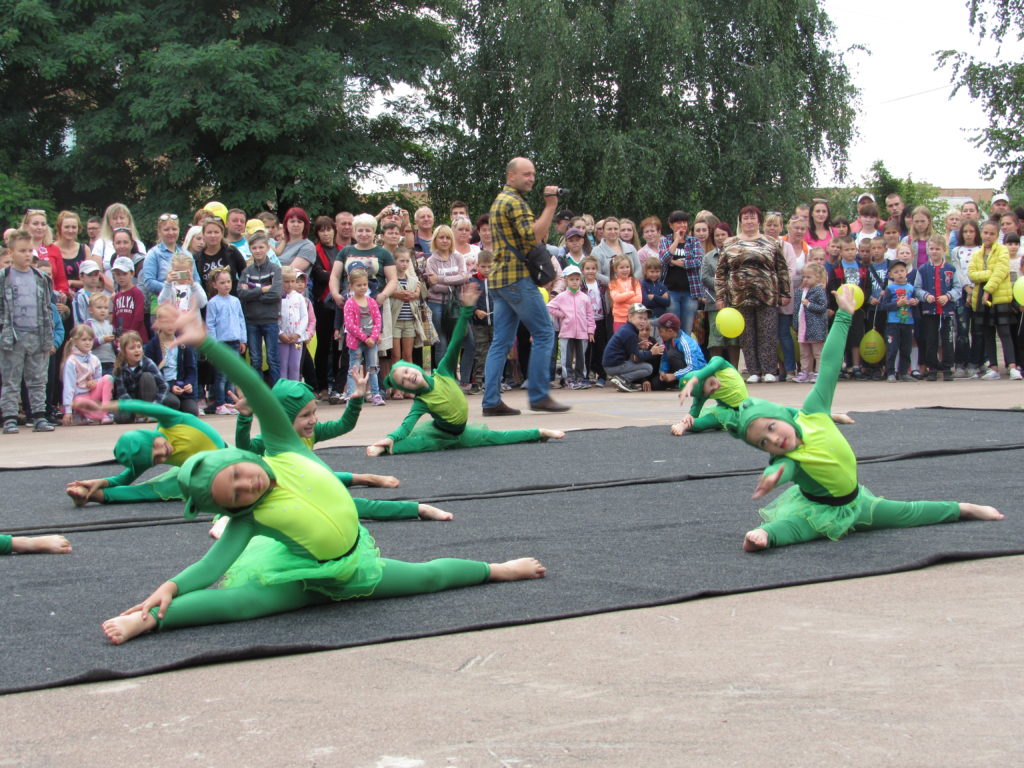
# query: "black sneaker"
[[42, 425], [947, 376], [857, 373], [932, 376], [917, 374], [11, 427]]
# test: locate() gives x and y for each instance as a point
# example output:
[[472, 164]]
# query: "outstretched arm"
[[470, 294], [820, 398]]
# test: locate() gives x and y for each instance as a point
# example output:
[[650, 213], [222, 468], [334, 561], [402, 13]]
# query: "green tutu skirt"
[[268, 561], [832, 522]]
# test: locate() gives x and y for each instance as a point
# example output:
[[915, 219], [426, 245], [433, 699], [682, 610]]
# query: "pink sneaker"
[[802, 378], [376, 400], [225, 410]]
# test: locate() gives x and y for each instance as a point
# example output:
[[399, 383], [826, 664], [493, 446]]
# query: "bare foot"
[[842, 418], [380, 481], [78, 494], [517, 570], [40, 545], [374, 450], [979, 512], [755, 540], [428, 512], [551, 434], [218, 526], [121, 629], [678, 429]]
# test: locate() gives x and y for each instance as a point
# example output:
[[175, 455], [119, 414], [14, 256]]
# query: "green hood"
[[753, 408], [389, 382], [293, 396], [134, 449], [196, 478]]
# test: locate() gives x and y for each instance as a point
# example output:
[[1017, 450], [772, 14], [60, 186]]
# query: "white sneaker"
[[753, 379], [226, 410], [769, 379], [1015, 374], [992, 375]]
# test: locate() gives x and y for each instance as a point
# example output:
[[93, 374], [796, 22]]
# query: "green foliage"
[[641, 106], [166, 105], [16, 196], [998, 85], [880, 182]]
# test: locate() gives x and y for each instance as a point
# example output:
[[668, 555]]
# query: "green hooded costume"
[[826, 500], [443, 399], [294, 396], [731, 392], [187, 435], [300, 543]]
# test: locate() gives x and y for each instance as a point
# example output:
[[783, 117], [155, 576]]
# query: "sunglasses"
[[168, 217]]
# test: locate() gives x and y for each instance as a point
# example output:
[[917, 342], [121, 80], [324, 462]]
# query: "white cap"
[[123, 264], [1001, 196], [571, 271], [868, 195], [87, 267]]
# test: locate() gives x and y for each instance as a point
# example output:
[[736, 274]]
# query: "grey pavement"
[[914, 669]]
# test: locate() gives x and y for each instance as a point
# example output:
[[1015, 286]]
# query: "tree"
[[641, 106], [170, 104], [998, 85]]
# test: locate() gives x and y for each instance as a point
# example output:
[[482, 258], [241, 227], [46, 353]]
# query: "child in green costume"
[[299, 403], [808, 449], [440, 395], [178, 437], [721, 381], [34, 545], [293, 539]]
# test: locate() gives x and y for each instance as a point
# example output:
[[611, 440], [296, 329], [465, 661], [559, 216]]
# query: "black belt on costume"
[[350, 551], [832, 501]]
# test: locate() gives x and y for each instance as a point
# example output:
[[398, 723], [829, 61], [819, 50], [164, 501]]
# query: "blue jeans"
[[259, 333], [684, 306], [220, 381], [519, 302], [437, 317], [786, 339], [363, 356]]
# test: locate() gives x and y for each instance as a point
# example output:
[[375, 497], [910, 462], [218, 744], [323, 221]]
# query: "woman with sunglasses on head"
[[158, 260]]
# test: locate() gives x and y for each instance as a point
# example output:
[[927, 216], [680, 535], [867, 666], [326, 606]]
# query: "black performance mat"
[[607, 548]]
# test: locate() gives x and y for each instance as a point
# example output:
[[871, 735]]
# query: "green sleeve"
[[168, 417], [243, 432], [5, 544], [415, 413], [219, 557], [126, 477], [325, 430], [788, 468], [707, 422], [820, 398], [277, 431], [447, 365]]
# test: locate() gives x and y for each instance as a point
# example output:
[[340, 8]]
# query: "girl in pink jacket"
[[362, 333], [575, 315]]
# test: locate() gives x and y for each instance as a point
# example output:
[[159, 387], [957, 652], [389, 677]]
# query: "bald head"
[[520, 174]]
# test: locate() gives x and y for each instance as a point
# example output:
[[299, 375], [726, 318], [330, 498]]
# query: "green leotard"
[[5, 544], [301, 542], [293, 396], [444, 400], [187, 435], [826, 500]]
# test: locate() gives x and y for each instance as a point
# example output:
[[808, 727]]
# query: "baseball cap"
[[575, 232], [123, 264], [571, 271], [565, 215], [637, 308], [252, 226], [1000, 197], [669, 322], [88, 266]]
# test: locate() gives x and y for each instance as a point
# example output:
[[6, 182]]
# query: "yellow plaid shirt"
[[511, 224]]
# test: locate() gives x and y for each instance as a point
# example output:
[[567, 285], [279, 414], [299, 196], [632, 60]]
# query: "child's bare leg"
[[380, 481], [755, 540], [517, 570], [121, 629], [428, 512], [40, 545], [842, 418], [551, 434], [82, 495], [375, 450], [979, 512]]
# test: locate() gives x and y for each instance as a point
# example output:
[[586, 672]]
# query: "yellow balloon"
[[729, 322], [218, 209], [858, 296], [872, 347], [1018, 290]]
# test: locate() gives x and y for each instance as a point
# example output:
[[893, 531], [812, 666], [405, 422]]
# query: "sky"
[[907, 117]]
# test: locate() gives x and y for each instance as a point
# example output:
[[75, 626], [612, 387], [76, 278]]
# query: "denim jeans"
[[786, 340], [259, 333], [220, 380], [363, 356], [519, 302], [683, 306]]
